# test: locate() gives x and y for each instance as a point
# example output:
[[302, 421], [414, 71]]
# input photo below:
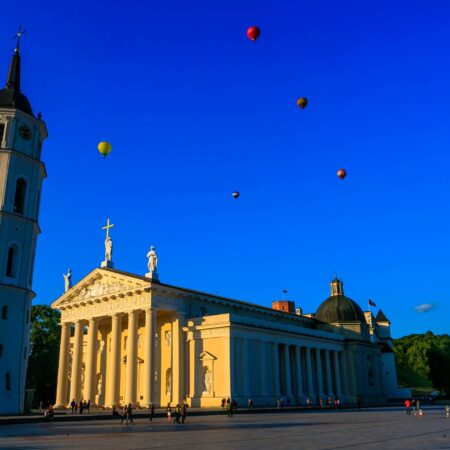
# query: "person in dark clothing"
[[129, 414], [183, 412], [152, 413], [88, 406], [73, 406], [81, 406]]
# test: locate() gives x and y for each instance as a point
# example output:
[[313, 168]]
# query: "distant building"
[[128, 338], [21, 176]]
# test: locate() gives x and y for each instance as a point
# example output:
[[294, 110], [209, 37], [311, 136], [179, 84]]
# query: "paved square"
[[388, 428]]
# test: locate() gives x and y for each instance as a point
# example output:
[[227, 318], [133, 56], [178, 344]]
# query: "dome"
[[12, 99], [339, 308]]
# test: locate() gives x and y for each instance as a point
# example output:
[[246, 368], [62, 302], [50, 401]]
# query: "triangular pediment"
[[206, 356], [101, 283]]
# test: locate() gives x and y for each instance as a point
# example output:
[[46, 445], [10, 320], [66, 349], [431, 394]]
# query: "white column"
[[319, 373], [149, 357], [114, 365], [246, 366], [77, 356], [91, 361], [177, 360], [328, 373], [337, 374], [309, 373], [131, 381], [287, 370], [263, 368], [63, 366], [276, 370], [299, 383]]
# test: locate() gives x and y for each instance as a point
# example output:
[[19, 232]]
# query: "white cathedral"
[[21, 176]]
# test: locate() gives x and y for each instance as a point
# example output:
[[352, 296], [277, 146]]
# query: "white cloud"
[[423, 308]]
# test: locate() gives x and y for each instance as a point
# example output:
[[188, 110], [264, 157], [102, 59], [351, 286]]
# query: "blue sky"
[[194, 111]]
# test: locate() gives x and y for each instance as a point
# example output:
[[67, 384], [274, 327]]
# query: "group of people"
[[415, 406], [230, 405], [177, 414], [82, 406]]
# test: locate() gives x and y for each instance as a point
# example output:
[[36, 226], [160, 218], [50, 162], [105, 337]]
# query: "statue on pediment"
[[152, 263], [67, 280]]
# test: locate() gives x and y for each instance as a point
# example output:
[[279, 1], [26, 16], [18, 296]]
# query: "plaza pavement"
[[387, 428]]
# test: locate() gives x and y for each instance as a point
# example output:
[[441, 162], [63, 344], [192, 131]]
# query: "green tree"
[[439, 361], [44, 352]]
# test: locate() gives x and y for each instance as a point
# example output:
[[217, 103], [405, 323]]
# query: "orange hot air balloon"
[[236, 194], [253, 33], [341, 173], [302, 102]]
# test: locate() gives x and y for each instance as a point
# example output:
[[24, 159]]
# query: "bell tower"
[[21, 175]]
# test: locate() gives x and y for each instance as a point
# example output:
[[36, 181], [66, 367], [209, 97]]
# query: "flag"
[[371, 303]]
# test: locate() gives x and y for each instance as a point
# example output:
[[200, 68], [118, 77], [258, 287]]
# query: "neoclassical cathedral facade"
[[128, 338]]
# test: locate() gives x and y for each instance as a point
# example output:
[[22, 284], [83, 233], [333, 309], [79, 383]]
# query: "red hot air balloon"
[[341, 173], [253, 33], [236, 194]]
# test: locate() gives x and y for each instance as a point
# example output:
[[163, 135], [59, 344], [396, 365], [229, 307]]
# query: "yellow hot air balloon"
[[302, 102], [104, 148]]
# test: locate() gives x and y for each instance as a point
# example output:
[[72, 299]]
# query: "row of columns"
[[318, 373], [310, 352], [113, 379]]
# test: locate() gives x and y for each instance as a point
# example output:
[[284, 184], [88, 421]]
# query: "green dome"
[[339, 308]]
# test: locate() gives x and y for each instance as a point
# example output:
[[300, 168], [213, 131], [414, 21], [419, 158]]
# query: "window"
[[4, 312], [11, 263], [2, 132], [19, 198], [8, 381], [1, 350]]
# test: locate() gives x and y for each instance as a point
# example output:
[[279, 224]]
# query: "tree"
[[439, 361], [44, 352]]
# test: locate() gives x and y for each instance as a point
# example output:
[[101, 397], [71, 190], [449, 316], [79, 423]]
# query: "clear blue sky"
[[194, 111]]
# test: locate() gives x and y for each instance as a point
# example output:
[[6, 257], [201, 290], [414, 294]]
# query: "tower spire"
[[10, 95], [13, 80]]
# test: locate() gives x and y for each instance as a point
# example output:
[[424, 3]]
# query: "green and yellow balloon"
[[104, 148]]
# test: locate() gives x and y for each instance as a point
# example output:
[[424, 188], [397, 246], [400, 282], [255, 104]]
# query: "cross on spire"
[[107, 227], [18, 36]]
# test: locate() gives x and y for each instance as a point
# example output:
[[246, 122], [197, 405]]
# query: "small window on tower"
[[19, 198], [11, 262], [8, 381], [2, 132], [4, 312], [1, 350]]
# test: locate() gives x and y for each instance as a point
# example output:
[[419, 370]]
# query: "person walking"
[[73, 405], [129, 414], [152, 413], [183, 411], [88, 406], [169, 412], [81, 406], [124, 414], [408, 407], [177, 414]]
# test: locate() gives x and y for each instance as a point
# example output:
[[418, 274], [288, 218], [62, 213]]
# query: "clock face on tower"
[[25, 132]]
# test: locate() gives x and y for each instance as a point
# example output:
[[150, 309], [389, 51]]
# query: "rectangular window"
[[8, 381], [2, 132], [4, 312], [1, 350]]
